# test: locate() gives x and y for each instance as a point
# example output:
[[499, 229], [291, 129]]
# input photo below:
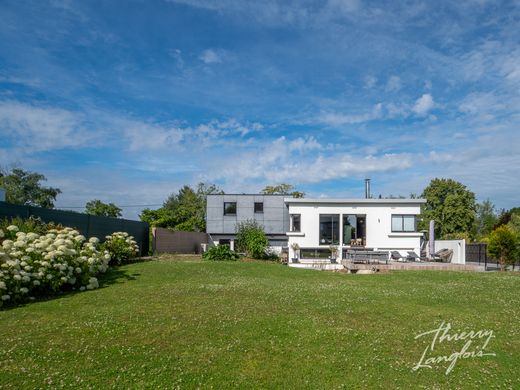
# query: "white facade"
[[374, 218], [457, 246]]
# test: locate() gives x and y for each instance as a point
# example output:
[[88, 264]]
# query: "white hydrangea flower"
[[12, 228]]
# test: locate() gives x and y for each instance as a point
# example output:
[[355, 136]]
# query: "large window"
[[259, 207], [295, 223], [403, 223], [329, 229], [230, 208], [314, 253]]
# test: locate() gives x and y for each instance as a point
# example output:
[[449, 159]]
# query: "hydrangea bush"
[[121, 247], [33, 264]]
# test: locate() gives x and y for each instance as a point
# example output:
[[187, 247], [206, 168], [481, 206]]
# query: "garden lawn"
[[190, 324]]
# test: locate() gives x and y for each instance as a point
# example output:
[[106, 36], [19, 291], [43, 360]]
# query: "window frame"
[[338, 222], [291, 225], [227, 213], [402, 216], [255, 210]]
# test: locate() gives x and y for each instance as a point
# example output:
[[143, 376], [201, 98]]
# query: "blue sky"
[[125, 101]]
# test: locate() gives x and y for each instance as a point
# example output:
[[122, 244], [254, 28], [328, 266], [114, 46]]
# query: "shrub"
[[36, 264], [503, 245], [220, 253], [121, 247], [30, 225], [251, 239]]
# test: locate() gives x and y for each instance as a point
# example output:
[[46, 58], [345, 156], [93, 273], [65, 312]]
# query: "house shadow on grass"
[[114, 275]]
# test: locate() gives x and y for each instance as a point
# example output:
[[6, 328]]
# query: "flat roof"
[[247, 194], [352, 201]]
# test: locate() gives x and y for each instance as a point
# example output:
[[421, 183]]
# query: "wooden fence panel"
[[167, 241]]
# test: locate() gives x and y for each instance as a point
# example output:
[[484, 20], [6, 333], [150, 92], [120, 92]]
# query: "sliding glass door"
[[329, 229], [354, 230]]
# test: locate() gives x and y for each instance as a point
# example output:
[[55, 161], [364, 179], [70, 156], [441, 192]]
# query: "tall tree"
[[25, 188], [451, 205], [97, 207], [486, 218], [184, 210], [283, 189], [505, 216]]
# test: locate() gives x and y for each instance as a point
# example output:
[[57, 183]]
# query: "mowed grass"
[[194, 324]]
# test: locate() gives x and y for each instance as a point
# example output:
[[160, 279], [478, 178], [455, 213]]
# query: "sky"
[[126, 101]]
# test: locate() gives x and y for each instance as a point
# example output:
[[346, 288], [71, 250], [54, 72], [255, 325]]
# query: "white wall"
[[378, 225], [458, 247]]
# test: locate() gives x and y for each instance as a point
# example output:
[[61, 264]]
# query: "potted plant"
[[296, 248], [333, 252]]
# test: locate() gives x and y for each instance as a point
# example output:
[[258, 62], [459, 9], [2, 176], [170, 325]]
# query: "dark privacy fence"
[[88, 225], [166, 241]]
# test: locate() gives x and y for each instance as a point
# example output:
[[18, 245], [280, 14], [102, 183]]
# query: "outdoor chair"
[[412, 256], [395, 255], [444, 255]]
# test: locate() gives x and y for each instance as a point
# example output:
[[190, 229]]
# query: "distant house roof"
[[353, 201]]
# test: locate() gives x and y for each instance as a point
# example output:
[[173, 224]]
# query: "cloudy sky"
[[125, 101]]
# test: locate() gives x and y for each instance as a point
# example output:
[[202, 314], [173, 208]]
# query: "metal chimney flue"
[[367, 188]]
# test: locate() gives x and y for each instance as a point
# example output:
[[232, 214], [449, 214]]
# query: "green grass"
[[189, 324]]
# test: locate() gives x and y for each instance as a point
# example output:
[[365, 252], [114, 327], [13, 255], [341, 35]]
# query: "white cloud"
[[393, 84], [370, 82], [480, 103], [210, 56], [143, 136], [344, 6], [338, 119], [423, 105], [283, 160], [42, 128]]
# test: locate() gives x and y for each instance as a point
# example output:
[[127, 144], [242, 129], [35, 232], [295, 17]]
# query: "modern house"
[[375, 224], [316, 224], [225, 211]]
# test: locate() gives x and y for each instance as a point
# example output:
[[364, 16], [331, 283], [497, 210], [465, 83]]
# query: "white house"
[[379, 224]]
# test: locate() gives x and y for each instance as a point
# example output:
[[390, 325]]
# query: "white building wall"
[[379, 234], [457, 246]]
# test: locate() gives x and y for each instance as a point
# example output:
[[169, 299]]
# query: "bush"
[[251, 239], [29, 225], [503, 245], [121, 247], [34, 264], [220, 253]]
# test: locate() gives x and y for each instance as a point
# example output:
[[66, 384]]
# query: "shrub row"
[[42, 262]]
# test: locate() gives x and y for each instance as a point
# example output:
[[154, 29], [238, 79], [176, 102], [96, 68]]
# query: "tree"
[[503, 246], [486, 218], [514, 224], [451, 205], [505, 216], [251, 239], [184, 210], [97, 207], [283, 189], [24, 188]]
